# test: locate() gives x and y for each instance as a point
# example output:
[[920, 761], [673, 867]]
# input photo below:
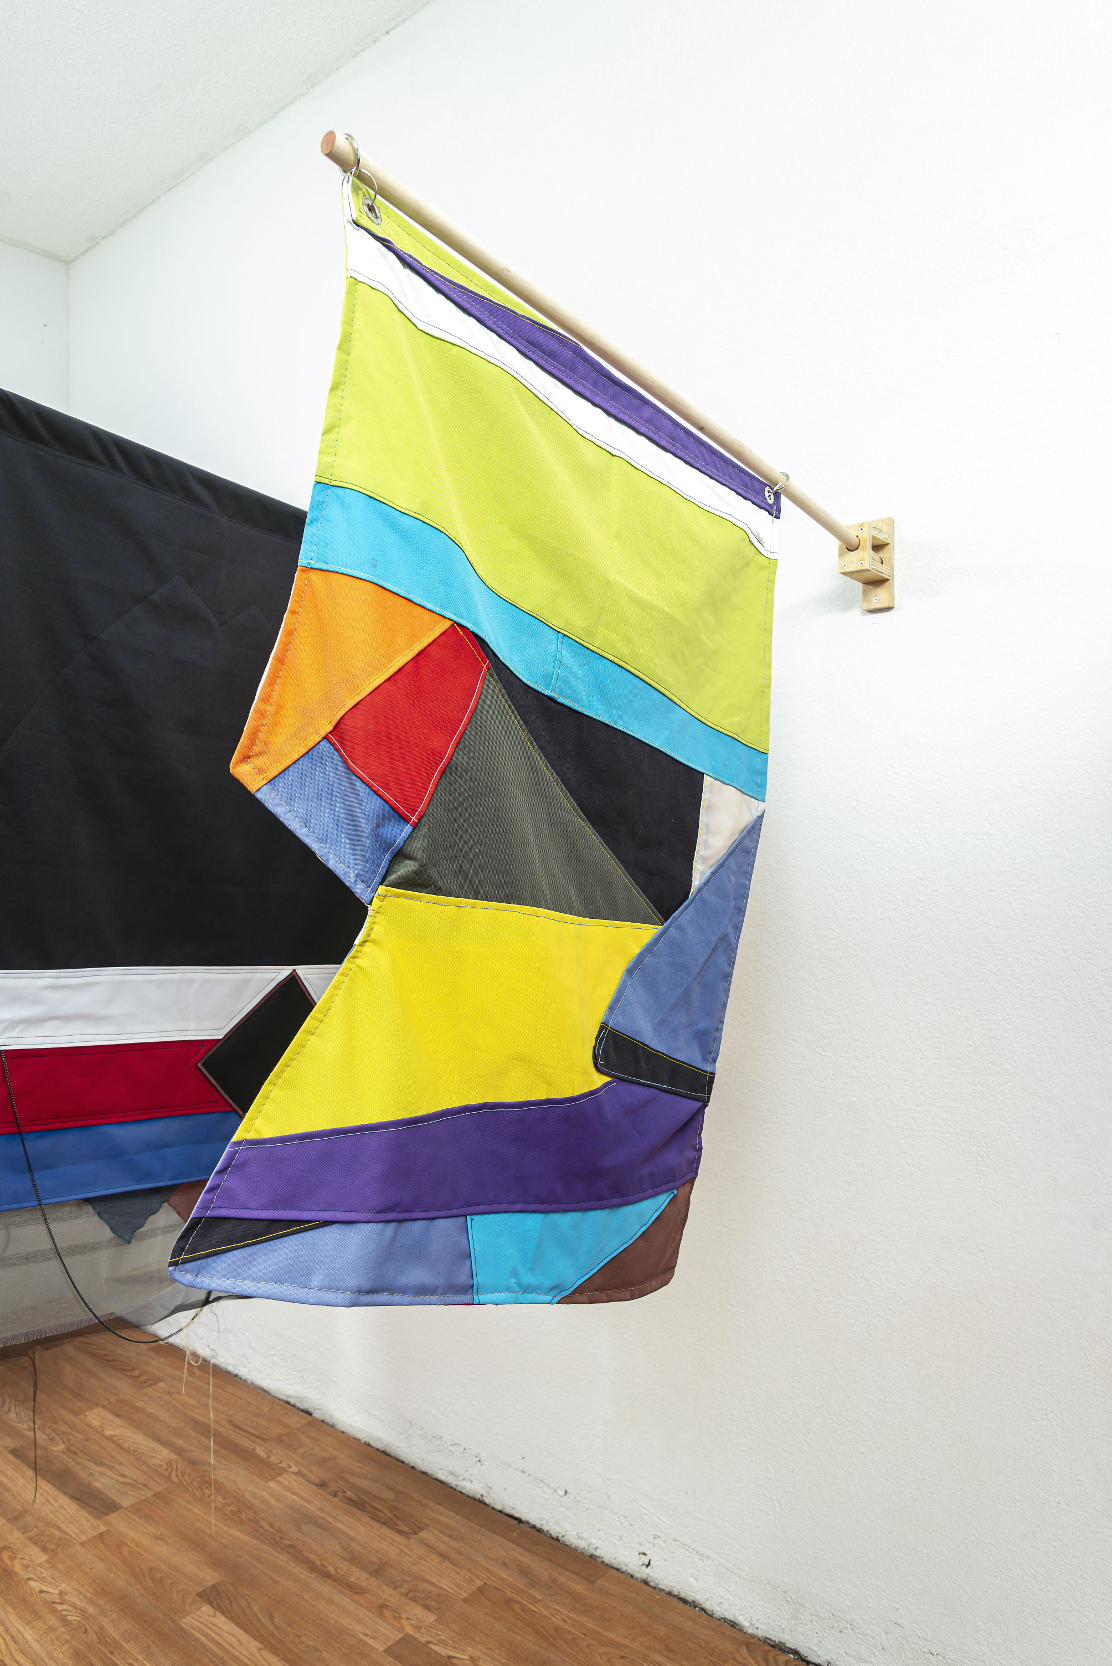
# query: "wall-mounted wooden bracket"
[[872, 564]]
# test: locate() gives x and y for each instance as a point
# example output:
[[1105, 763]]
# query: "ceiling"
[[124, 98]]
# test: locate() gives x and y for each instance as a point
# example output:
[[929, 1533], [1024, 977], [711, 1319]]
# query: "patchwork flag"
[[163, 938], [519, 704]]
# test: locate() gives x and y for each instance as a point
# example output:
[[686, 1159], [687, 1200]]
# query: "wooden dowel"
[[339, 149]]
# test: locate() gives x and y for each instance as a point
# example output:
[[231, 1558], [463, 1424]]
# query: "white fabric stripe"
[[370, 263], [92, 1005], [724, 815]]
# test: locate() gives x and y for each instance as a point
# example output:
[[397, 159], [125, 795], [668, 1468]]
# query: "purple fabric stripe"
[[579, 370], [618, 1144]]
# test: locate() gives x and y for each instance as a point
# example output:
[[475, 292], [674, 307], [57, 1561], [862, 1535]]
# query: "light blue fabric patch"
[[364, 1264], [74, 1163], [674, 991], [337, 815], [541, 1257], [349, 532]]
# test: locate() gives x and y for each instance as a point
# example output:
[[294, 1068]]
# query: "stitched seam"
[[757, 820], [429, 901], [316, 843], [572, 805], [671, 1057], [34, 1125], [574, 383], [319, 1014], [413, 817], [702, 833], [493, 1206], [314, 731], [606, 654], [159, 491], [226, 1249], [302, 564], [330, 1290], [414, 1125], [549, 329], [632, 1239], [558, 669], [653, 1082], [474, 1260], [628, 1289]]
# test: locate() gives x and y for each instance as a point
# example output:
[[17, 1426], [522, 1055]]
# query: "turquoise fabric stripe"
[[542, 1257], [349, 532]]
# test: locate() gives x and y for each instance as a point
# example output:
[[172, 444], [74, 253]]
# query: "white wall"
[[870, 1417], [34, 327]]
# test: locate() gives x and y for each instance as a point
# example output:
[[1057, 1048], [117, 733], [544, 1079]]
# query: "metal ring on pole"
[[371, 208]]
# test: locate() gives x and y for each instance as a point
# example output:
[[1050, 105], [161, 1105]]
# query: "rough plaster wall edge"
[[678, 1569]]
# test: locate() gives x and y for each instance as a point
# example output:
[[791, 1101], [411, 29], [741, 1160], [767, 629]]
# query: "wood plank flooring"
[[325, 1552]]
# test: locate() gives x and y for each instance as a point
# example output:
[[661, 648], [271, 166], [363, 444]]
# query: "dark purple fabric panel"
[[618, 1144], [584, 374]]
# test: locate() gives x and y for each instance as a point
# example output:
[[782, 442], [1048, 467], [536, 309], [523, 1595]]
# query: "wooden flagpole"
[[339, 148]]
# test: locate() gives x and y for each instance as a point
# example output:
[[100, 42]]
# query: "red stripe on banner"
[[399, 738], [77, 1087]]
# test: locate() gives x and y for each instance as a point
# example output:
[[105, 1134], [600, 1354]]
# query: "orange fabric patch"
[[340, 638]]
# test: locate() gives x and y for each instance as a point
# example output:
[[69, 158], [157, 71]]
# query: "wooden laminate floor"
[[325, 1551]]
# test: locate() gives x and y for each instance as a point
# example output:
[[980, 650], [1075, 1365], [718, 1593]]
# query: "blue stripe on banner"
[[349, 532], [113, 1157], [539, 1258], [378, 1264]]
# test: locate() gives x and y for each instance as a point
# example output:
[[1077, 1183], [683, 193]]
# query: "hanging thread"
[[141, 1342]]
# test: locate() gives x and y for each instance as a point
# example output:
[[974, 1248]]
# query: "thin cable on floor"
[[194, 1359], [140, 1341], [33, 1356], [212, 1454]]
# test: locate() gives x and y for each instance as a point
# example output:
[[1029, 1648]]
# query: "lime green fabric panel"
[[549, 520], [445, 1002], [422, 247]]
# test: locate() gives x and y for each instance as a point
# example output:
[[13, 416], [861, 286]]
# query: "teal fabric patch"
[[542, 1257], [349, 532]]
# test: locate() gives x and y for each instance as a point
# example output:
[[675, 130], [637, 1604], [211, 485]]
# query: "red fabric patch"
[[77, 1087], [400, 736]]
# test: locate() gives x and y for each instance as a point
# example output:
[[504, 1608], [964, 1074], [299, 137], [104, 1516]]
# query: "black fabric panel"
[[80, 442], [500, 828], [643, 804], [619, 1055], [239, 1064], [139, 601], [215, 1234]]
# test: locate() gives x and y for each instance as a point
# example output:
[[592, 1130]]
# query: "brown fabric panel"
[[643, 1266]]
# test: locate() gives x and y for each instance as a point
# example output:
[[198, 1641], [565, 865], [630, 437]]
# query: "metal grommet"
[[370, 209], [770, 495], [771, 491]]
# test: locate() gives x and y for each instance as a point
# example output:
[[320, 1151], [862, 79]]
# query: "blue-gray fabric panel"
[[673, 993], [366, 1264], [350, 827]]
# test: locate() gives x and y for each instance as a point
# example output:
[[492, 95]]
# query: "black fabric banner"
[[139, 601]]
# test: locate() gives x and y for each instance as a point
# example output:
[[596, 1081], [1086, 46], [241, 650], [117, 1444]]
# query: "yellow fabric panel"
[[448, 1002], [340, 638], [550, 521]]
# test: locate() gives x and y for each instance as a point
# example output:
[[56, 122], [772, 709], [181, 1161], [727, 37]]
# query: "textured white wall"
[[870, 1417], [34, 327]]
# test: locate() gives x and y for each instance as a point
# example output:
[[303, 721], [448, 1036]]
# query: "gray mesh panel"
[[501, 828]]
